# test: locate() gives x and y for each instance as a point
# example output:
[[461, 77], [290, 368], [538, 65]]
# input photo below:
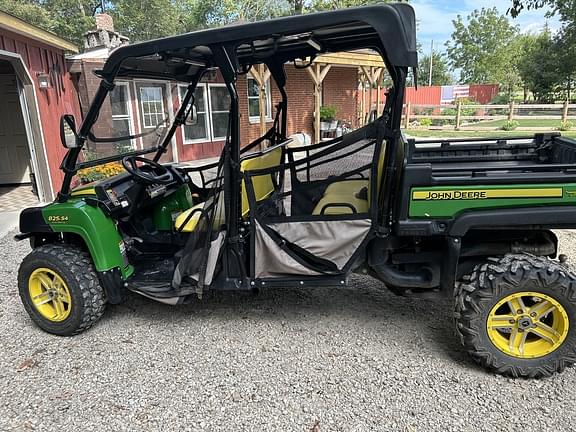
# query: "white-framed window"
[[152, 105], [254, 100], [219, 109], [200, 131], [121, 114], [212, 103]]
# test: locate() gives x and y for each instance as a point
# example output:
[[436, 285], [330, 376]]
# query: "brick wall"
[[340, 89]]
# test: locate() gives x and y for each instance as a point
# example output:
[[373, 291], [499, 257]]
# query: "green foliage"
[[69, 19], [565, 125], [323, 5], [484, 48], [425, 122], [328, 113], [540, 76], [441, 74], [500, 99], [146, 20], [510, 125], [556, 54]]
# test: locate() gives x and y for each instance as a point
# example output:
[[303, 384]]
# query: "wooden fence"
[[460, 116]]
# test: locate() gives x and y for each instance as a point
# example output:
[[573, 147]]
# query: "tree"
[[561, 54], [483, 48], [540, 77], [323, 5], [440, 70], [144, 20], [231, 11], [69, 19]]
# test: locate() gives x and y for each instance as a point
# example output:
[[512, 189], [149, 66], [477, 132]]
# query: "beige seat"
[[348, 192], [346, 187], [263, 187]]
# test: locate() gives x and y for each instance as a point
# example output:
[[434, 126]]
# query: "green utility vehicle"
[[466, 219]]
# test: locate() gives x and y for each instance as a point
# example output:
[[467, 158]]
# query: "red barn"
[[35, 90]]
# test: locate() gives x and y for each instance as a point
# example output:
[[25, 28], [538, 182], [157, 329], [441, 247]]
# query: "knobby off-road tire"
[[82, 288], [498, 279]]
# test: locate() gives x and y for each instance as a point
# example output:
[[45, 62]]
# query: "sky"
[[435, 18]]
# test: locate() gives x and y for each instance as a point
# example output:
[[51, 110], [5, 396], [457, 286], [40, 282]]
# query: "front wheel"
[[516, 315], [60, 289]]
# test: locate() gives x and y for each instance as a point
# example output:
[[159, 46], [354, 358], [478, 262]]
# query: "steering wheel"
[[157, 174]]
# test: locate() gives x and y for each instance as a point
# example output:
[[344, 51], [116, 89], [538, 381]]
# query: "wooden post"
[[373, 76], [565, 111], [317, 73], [511, 112], [370, 88], [458, 114], [363, 101], [378, 88], [261, 74], [408, 112]]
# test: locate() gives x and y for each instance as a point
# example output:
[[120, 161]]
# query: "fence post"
[[565, 111], [511, 112], [408, 110], [458, 114]]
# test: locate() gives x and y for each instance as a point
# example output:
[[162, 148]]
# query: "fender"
[[96, 229]]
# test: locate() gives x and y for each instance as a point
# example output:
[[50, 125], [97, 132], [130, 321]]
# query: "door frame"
[[33, 125]]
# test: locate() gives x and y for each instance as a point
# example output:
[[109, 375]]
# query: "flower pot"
[[324, 126], [333, 124]]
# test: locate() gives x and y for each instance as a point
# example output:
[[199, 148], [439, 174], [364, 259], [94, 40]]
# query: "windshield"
[[134, 116]]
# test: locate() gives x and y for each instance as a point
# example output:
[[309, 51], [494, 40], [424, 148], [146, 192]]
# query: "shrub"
[[327, 113], [425, 122], [566, 125], [88, 175], [510, 125], [500, 99]]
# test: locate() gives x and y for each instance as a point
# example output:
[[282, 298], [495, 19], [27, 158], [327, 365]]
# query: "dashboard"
[[122, 194]]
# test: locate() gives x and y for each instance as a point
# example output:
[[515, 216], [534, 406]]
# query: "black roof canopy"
[[389, 29]]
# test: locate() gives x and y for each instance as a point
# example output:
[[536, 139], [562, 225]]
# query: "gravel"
[[354, 359]]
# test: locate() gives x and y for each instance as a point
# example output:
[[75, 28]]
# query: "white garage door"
[[14, 154]]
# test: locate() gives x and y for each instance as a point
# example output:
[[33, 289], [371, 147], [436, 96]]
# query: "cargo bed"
[[447, 177]]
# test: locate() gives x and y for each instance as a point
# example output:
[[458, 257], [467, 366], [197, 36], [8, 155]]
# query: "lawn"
[[524, 122], [474, 134]]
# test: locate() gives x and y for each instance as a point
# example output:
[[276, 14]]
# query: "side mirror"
[[68, 134], [192, 116]]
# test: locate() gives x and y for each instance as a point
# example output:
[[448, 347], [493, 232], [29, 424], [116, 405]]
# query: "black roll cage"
[[386, 29]]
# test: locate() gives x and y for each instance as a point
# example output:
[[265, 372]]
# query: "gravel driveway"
[[353, 359]]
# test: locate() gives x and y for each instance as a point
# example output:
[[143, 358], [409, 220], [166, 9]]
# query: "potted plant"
[[328, 118]]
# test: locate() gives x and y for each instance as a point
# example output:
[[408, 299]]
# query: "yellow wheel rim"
[[527, 325], [50, 294]]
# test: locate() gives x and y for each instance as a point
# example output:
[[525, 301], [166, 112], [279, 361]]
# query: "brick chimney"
[[104, 22], [104, 35]]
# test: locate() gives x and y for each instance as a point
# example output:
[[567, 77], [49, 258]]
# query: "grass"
[[475, 134], [525, 122]]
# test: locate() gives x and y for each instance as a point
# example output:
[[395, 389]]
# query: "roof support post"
[[361, 80], [226, 61], [373, 75], [317, 73], [261, 74]]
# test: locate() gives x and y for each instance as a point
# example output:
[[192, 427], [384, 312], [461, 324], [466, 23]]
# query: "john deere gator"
[[471, 220]]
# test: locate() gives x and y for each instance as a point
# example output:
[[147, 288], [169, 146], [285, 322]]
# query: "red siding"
[[484, 93], [53, 102], [424, 95], [431, 95]]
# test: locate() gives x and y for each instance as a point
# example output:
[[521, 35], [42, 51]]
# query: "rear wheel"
[[516, 315], [60, 289]]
